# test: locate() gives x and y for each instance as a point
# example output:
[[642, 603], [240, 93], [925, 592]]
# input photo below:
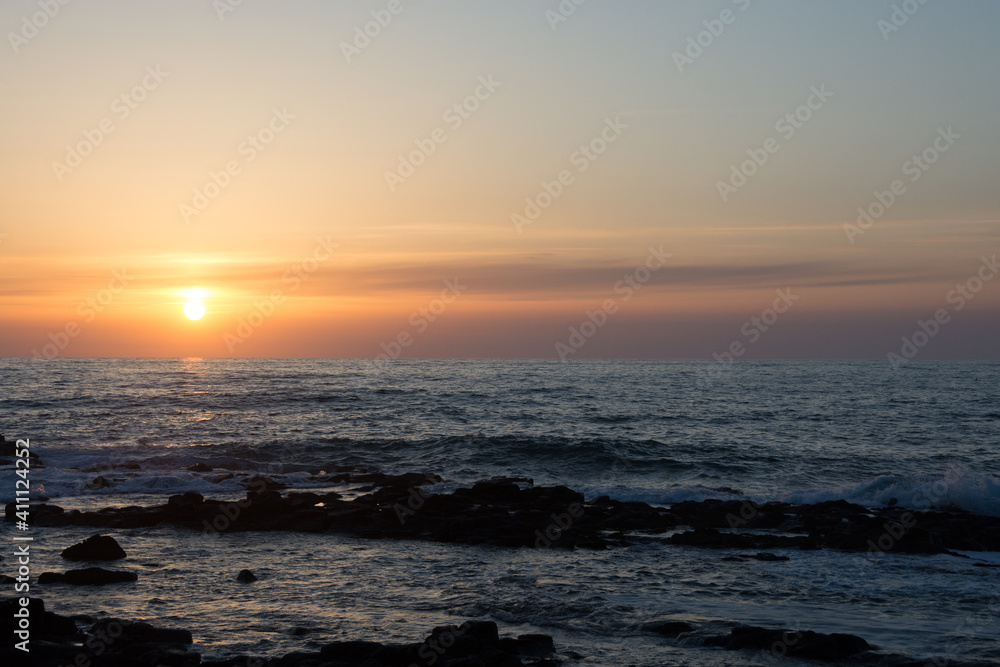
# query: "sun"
[[194, 303], [195, 310]]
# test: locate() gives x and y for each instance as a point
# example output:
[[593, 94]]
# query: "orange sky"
[[245, 157]]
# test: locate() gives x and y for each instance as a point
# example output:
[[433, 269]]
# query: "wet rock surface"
[[795, 644], [98, 547], [513, 513], [112, 642], [59, 640], [91, 576]]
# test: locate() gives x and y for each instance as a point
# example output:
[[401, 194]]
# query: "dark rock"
[[38, 515], [553, 496], [136, 632], [222, 478], [668, 628], [10, 448], [97, 547], [246, 577], [261, 483], [238, 661], [491, 492], [199, 467], [407, 654], [56, 625], [484, 632], [349, 652], [706, 537], [710, 538], [8, 623], [513, 480], [409, 479], [535, 646], [91, 576], [99, 482], [490, 656], [45, 625], [766, 557], [157, 654], [461, 641], [795, 644], [185, 500], [499, 512], [304, 659]]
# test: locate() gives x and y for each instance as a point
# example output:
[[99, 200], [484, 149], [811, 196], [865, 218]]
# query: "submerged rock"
[[766, 557], [91, 576], [668, 628]]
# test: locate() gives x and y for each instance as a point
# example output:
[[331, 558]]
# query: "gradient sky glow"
[[321, 183]]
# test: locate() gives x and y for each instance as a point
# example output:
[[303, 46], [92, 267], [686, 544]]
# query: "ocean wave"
[[974, 492], [977, 493]]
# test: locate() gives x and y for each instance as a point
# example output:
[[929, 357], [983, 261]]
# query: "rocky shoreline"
[[85, 641], [513, 513], [500, 512]]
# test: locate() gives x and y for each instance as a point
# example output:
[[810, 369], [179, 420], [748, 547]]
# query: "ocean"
[[922, 435]]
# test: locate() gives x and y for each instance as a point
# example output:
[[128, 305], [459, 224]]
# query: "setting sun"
[[194, 303], [195, 310]]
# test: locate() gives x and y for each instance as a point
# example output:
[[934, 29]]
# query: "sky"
[[727, 179]]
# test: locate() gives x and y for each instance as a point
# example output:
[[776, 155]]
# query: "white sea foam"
[[973, 492]]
